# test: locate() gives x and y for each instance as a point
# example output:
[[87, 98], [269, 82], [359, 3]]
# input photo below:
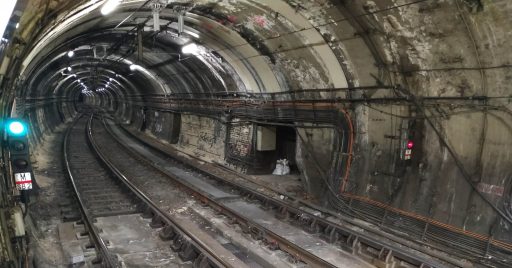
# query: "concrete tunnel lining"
[[347, 60]]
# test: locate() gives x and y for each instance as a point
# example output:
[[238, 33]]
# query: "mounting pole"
[[140, 49], [156, 7]]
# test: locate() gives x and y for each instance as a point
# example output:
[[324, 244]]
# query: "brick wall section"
[[239, 146], [202, 137], [240, 139]]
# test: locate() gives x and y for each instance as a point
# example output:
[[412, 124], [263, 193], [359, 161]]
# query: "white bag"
[[282, 167], [279, 168], [286, 168]]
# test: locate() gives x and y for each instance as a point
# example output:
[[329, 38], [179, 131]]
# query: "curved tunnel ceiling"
[[231, 56]]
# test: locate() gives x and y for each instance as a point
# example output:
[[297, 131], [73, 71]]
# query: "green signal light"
[[16, 128]]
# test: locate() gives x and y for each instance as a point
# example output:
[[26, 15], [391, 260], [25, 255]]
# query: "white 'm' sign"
[[23, 181]]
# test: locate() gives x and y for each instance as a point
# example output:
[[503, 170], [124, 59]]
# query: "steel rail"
[[216, 259], [420, 246], [320, 222], [248, 225], [87, 218]]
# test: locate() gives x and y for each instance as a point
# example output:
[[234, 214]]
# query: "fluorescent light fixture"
[[71, 53], [5, 14], [192, 34], [109, 6], [134, 67], [191, 48]]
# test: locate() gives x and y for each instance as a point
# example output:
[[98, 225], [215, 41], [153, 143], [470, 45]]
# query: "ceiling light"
[[109, 6], [69, 69], [71, 53], [134, 67], [5, 14], [191, 48], [17, 25]]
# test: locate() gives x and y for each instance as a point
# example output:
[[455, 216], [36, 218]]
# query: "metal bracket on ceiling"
[[157, 6], [181, 11], [181, 22]]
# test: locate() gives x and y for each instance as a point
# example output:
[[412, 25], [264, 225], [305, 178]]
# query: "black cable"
[[474, 110], [129, 16], [453, 154], [323, 176], [332, 22], [503, 66], [315, 161]]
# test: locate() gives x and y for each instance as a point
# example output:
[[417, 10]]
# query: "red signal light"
[[410, 144]]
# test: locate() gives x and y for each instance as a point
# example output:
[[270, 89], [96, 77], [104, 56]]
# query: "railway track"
[[266, 218], [349, 233], [136, 169], [114, 174], [101, 193], [91, 185]]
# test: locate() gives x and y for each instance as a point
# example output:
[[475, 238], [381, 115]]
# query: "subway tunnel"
[[381, 129]]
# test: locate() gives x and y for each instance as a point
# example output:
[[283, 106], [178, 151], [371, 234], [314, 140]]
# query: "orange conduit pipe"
[[330, 105], [430, 221], [350, 148]]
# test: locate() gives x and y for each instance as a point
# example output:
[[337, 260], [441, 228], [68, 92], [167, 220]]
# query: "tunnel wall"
[[452, 52], [407, 46], [45, 116], [232, 143], [316, 160], [434, 53]]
